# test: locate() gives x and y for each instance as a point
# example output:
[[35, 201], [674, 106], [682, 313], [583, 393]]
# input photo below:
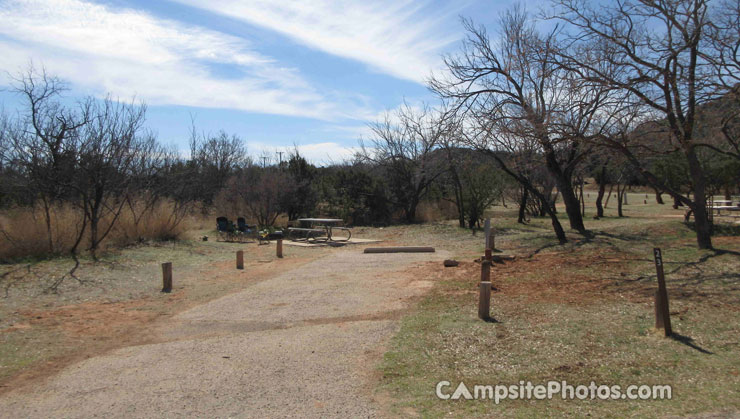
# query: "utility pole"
[[280, 154], [264, 161]]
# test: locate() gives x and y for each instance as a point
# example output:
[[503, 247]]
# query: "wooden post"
[[240, 259], [167, 277], [488, 256], [484, 302], [662, 313], [487, 230], [485, 271], [658, 311], [279, 249]]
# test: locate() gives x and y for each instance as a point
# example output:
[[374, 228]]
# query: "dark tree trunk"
[[523, 206], [573, 209], [609, 195], [701, 217], [565, 188], [600, 196], [676, 203], [620, 199], [559, 232], [658, 196]]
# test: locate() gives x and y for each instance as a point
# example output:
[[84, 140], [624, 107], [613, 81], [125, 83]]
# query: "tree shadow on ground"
[[688, 341]]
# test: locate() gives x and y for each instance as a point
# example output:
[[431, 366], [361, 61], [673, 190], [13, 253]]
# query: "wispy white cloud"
[[402, 38], [125, 52]]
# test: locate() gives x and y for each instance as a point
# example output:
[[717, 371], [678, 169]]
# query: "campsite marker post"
[[487, 229], [662, 313], [167, 277], [240, 259], [279, 249], [484, 300]]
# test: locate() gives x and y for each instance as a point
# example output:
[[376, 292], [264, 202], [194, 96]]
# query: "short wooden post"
[[240, 259], [167, 277], [484, 300], [488, 256], [487, 230], [485, 271], [279, 250], [662, 312], [484, 303]]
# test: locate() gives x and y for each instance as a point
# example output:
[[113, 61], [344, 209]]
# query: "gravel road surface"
[[302, 344]]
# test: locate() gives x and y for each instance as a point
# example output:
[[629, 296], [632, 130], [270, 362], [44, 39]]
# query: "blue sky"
[[276, 73]]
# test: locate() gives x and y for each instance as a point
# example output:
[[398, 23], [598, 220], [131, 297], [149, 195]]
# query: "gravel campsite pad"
[[303, 343]]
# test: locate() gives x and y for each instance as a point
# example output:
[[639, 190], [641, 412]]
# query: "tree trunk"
[[565, 188], [658, 196], [676, 203], [600, 196], [522, 206], [609, 195], [47, 219], [573, 209], [701, 217], [559, 232], [620, 199]]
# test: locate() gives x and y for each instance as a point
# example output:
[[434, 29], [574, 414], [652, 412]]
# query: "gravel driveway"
[[302, 344]]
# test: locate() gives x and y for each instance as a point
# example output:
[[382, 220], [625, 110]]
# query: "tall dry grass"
[[430, 211], [24, 233]]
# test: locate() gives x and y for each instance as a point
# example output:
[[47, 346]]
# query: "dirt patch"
[[94, 328], [95, 319], [549, 277]]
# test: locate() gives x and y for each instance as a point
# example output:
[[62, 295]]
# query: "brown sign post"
[[487, 232], [662, 313], [484, 300], [240, 259], [167, 277]]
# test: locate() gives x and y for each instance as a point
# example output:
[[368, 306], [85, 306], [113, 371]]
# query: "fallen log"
[[407, 249]]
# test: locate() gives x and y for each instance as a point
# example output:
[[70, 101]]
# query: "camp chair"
[[226, 230], [245, 230]]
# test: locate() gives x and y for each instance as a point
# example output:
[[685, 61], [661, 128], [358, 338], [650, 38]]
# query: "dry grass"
[[581, 312], [430, 211], [24, 233]]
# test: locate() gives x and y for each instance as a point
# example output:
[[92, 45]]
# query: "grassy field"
[[579, 313]]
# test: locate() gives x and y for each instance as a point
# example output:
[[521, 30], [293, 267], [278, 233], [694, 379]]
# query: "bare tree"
[[658, 55], [45, 140], [216, 158], [404, 148], [522, 160], [515, 85], [112, 147], [261, 191]]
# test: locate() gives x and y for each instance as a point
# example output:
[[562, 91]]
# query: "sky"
[[277, 73]]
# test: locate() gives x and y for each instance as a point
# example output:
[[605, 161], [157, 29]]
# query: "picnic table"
[[321, 229], [720, 208]]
